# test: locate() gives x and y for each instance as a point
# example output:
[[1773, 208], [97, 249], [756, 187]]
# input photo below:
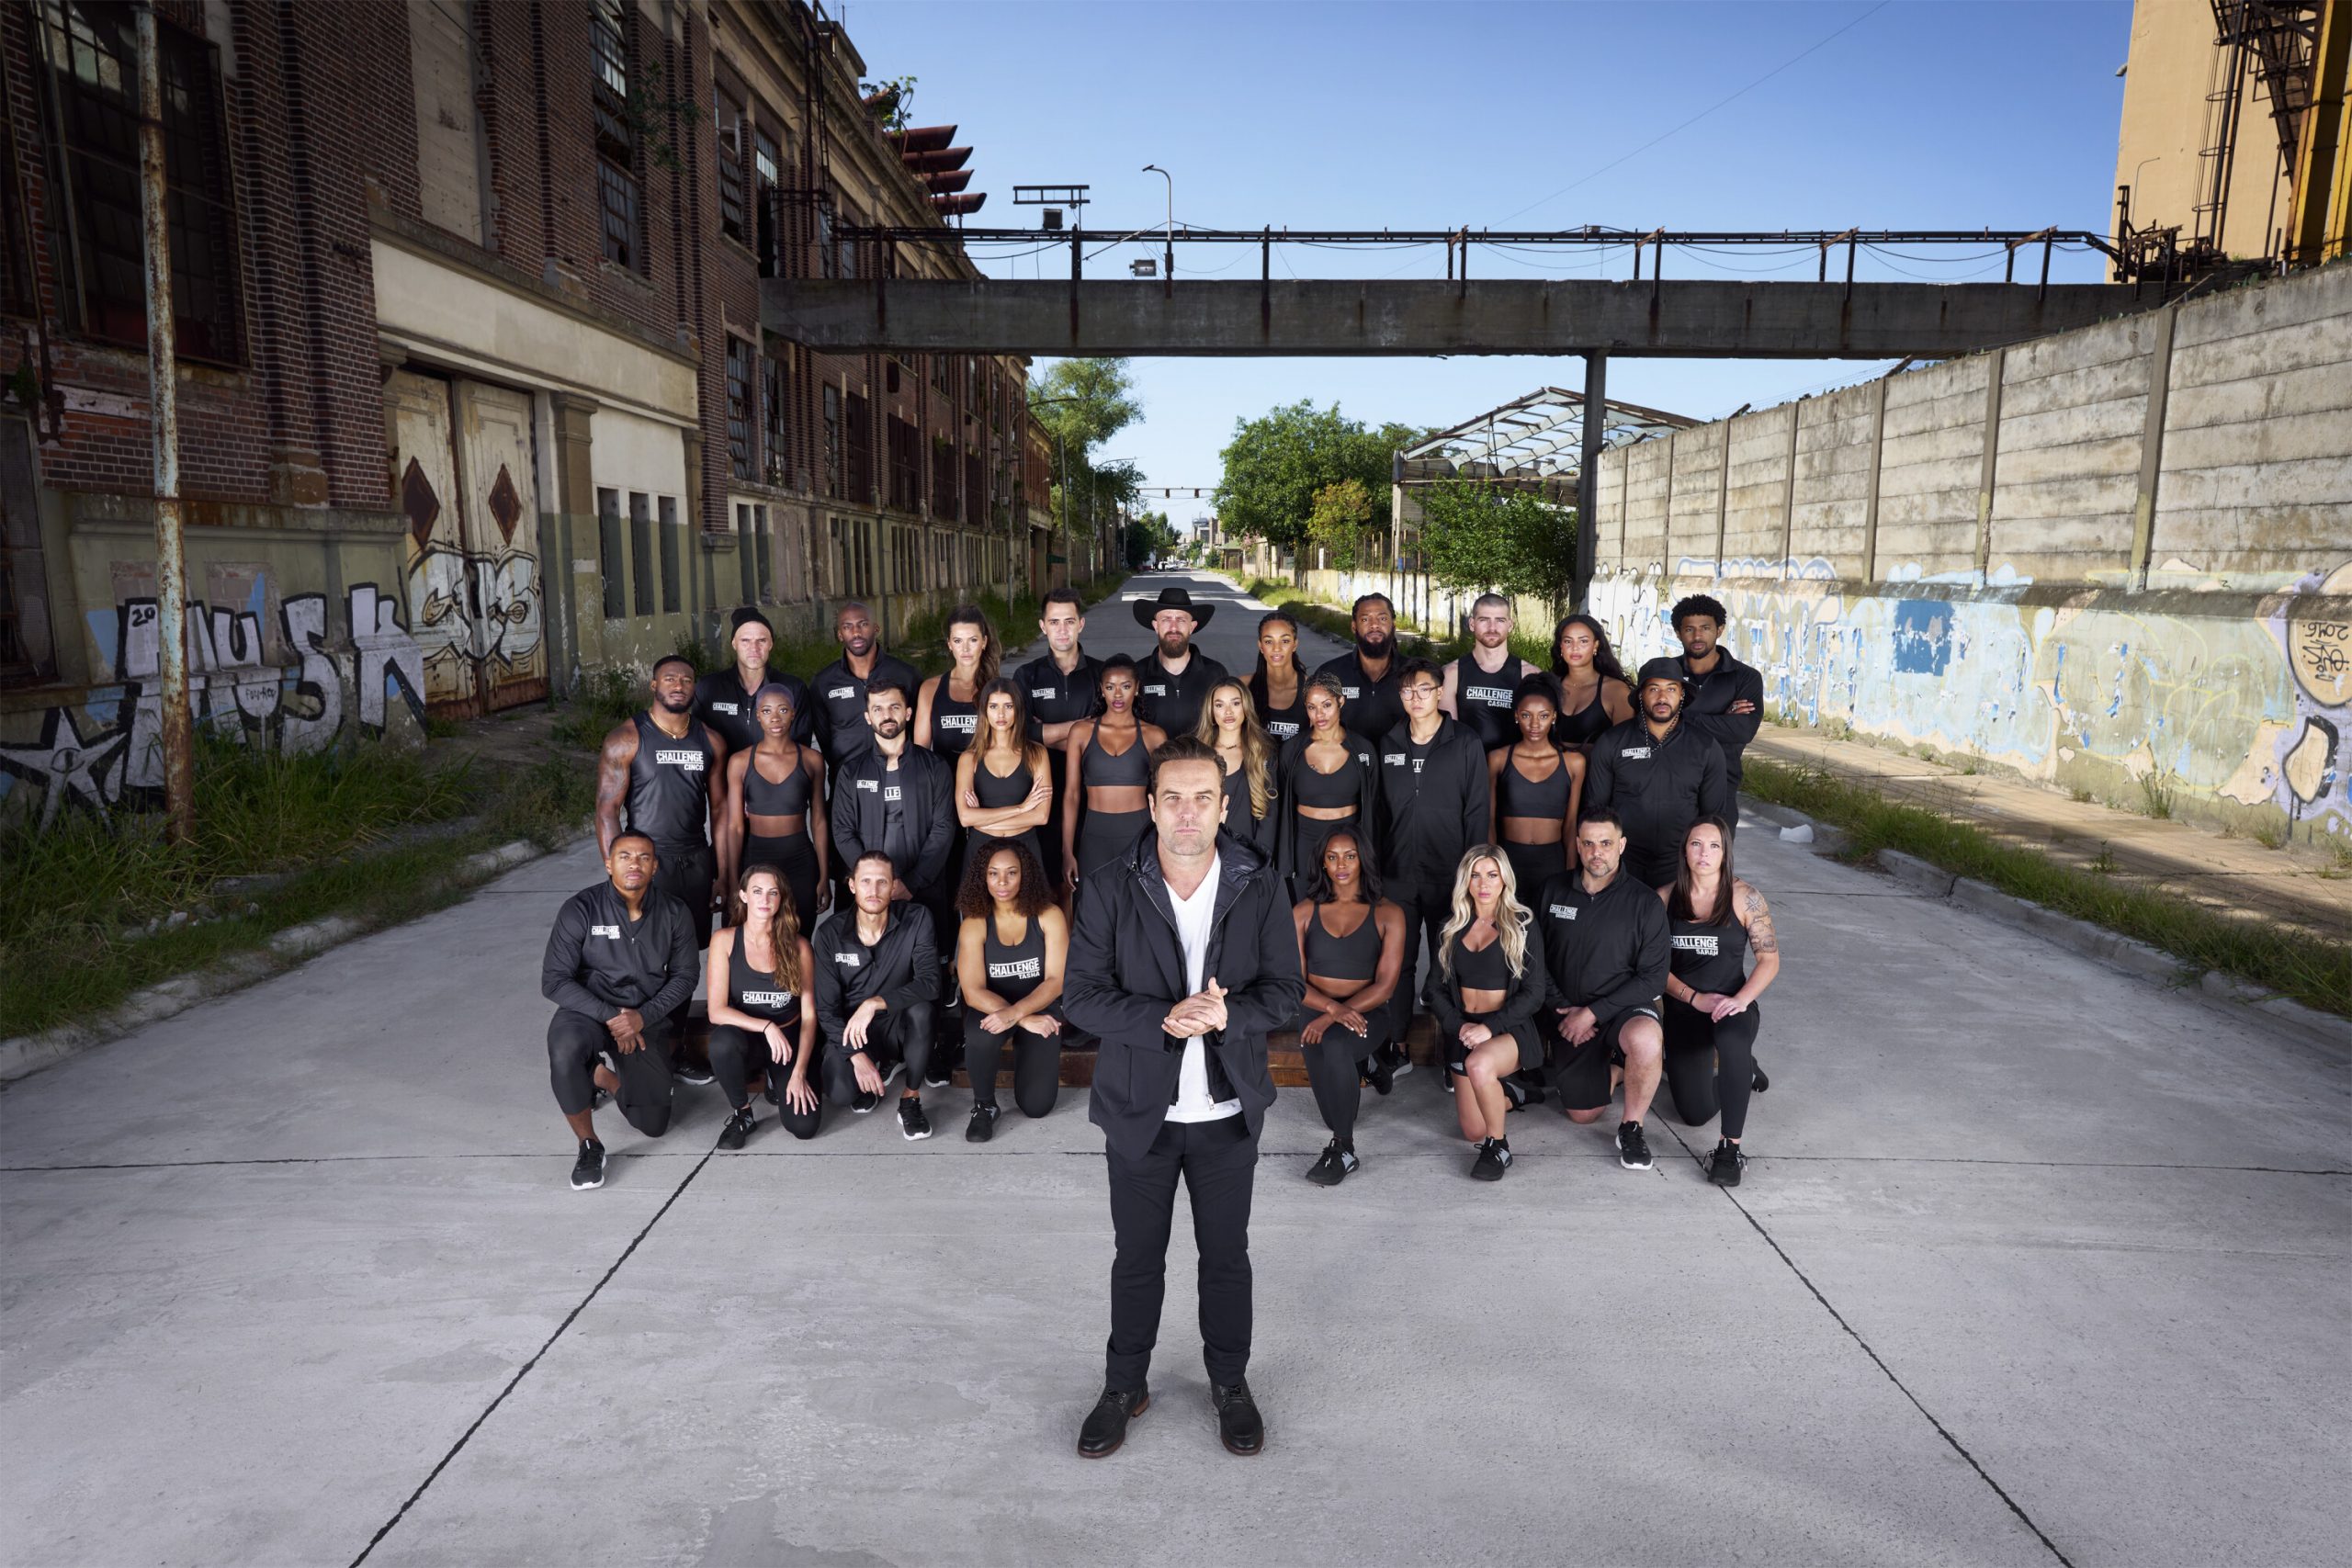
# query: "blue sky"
[[1425, 115]]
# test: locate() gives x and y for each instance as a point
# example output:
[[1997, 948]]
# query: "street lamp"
[[1169, 262]]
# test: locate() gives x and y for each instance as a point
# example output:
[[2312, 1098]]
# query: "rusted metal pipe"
[[179, 729]]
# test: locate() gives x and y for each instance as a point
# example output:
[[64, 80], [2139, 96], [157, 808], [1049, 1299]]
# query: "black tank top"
[[1355, 956], [952, 723], [1710, 958], [1237, 813], [1483, 701], [1013, 972], [1280, 723], [1107, 769], [787, 798], [995, 792], [1484, 969], [669, 784], [1329, 791], [1589, 723], [1516, 794], [757, 991]]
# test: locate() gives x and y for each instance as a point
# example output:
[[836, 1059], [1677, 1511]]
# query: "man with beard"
[[897, 799], [662, 775], [1726, 697], [725, 698], [1368, 675], [1607, 946], [1659, 775], [1174, 678], [1480, 684], [840, 689], [1061, 684]]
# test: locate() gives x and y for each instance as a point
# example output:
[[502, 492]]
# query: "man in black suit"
[[1182, 956]]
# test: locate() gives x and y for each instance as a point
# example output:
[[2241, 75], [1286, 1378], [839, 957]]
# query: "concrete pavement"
[[2035, 1263]]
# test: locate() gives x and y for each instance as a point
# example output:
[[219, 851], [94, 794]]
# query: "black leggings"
[[1709, 1065], [576, 1043], [1335, 1067], [894, 1035], [1036, 1065], [736, 1053]]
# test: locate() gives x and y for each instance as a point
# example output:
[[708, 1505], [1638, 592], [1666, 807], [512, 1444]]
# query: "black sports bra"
[[1108, 770], [1516, 794], [762, 797], [1327, 790], [1355, 956], [1589, 723], [996, 793], [1482, 969]]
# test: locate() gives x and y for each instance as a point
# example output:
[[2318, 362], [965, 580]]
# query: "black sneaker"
[[737, 1131], [588, 1170], [686, 1072], [1757, 1082], [939, 1072], [1238, 1421], [1107, 1423], [864, 1103], [913, 1122], [1399, 1061], [1339, 1163], [1378, 1073], [982, 1126], [1494, 1158], [1725, 1169], [1633, 1148], [772, 1090]]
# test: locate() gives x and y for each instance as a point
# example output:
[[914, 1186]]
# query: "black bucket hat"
[[1172, 599], [1663, 669]]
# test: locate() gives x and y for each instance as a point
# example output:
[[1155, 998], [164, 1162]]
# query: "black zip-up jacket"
[[1607, 951], [1525, 999], [926, 834], [1659, 787], [1703, 708], [721, 703], [1057, 698], [1431, 813], [902, 968], [1367, 706], [839, 697], [1287, 765], [599, 961], [1126, 969], [1173, 702]]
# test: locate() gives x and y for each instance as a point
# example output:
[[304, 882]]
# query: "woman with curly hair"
[[1010, 955]]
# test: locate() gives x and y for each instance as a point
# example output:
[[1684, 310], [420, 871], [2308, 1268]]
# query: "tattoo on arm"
[[1760, 935]]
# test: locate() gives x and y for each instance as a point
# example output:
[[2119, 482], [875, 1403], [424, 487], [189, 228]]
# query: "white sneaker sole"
[[579, 1185]]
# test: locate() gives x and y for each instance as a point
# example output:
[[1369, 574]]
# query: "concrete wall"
[[2151, 576]]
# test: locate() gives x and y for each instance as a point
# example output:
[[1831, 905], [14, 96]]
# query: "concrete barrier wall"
[[2126, 589]]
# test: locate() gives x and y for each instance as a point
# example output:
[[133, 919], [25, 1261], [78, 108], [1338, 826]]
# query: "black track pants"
[[1426, 911], [1036, 1065], [1711, 1066], [893, 1036], [575, 1041]]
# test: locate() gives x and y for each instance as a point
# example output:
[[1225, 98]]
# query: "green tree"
[[1150, 536], [1276, 463], [1336, 522], [1481, 536], [1081, 404]]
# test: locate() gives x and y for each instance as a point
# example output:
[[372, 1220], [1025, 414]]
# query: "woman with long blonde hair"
[[1229, 724], [762, 1017], [1484, 991]]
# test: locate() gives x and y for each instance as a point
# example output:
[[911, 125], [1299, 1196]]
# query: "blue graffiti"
[[1922, 637]]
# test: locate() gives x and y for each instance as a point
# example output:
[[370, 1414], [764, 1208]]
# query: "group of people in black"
[[1176, 863]]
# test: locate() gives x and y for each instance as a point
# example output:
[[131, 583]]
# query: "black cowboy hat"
[[1172, 599]]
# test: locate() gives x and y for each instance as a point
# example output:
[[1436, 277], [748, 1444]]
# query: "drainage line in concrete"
[[1941, 1432], [524, 1370]]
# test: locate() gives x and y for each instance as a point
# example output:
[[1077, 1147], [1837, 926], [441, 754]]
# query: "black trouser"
[[1711, 1066], [576, 1042], [687, 872], [1426, 911], [1219, 1161], [1335, 1067], [736, 1053], [1036, 1065], [794, 858], [894, 1035]]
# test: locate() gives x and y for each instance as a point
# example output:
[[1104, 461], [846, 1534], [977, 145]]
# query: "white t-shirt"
[[1195, 917]]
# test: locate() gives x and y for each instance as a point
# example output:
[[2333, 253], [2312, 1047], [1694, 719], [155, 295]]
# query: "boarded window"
[[672, 537], [772, 406], [614, 562], [833, 441], [640, 540], [859, 441], [448, 146], [738, 408]]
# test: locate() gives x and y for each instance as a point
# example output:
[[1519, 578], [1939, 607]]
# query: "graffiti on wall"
[[107, 747]]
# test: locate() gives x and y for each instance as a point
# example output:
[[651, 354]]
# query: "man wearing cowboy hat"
[[1175, 677]]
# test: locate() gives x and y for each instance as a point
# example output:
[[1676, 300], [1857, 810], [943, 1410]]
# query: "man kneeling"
[[619, 966], [877, 975]]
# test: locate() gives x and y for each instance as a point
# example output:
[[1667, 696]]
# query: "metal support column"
[[162, 394], [1596, 427]]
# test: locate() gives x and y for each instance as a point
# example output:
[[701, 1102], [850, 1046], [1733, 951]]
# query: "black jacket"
[[721, 703], [1607, 951], [1174, 702], [599, 961], [839, 698], [1126, 969], [1367, 706], [1710, 695], [1056, 698], [902, 968], [1659, 787], [1287, 762], [926, 835], [1430, 815], [1525, 999]]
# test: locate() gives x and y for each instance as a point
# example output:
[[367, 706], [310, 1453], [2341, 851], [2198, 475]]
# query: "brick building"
[[475, 395]]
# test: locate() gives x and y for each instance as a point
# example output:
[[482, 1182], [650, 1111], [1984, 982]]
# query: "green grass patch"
[[2291, 963]]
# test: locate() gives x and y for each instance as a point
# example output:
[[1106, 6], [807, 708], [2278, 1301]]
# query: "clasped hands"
[[1198, 1014]]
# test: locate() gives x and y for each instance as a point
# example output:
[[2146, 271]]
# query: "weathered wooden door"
[[502, 535], [425, 489]]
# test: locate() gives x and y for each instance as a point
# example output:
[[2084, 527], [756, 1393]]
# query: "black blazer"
[[1126, 969]]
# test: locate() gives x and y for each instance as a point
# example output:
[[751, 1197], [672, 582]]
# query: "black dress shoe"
[[1238, 1421], [1107, 1423]]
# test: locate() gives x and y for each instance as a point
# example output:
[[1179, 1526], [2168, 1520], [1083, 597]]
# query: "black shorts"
[[1580, 1072]]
